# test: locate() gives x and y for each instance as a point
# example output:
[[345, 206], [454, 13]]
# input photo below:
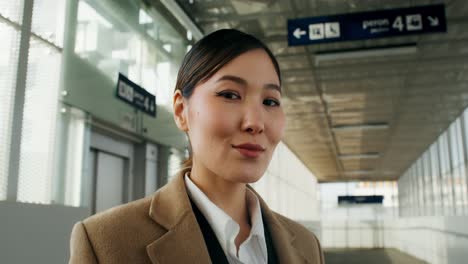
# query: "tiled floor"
[[363, 256]]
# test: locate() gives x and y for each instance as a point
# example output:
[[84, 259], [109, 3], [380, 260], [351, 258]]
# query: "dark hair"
[[209, 55]]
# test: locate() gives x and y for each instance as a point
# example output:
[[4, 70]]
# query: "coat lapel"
[[284, 239], [183, 242]]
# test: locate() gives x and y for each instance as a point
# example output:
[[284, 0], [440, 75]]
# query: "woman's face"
[[235, 119]]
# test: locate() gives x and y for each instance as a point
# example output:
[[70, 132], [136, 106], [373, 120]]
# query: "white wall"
[[441, 240], [35, 233], [288, 187], [438, 240]]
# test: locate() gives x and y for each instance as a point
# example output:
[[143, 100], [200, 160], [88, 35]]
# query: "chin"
[[248, 177]]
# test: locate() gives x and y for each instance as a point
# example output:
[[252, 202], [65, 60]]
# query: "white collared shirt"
[[253, 250]]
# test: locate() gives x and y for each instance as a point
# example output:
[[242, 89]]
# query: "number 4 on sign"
[[298, 33], [146, 103], [398, 23]]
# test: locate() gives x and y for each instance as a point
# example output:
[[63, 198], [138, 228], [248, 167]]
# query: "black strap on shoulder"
[[214, 248], [272, 258]]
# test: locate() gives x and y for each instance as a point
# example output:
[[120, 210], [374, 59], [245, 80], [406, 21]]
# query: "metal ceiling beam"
[[183, 18], [410, 63], [463, 42], [239, 18]]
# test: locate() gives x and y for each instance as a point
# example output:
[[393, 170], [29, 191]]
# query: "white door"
[[111, 162], [110, 179]]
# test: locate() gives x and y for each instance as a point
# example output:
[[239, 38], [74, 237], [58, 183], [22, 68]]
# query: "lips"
[[249, 150]]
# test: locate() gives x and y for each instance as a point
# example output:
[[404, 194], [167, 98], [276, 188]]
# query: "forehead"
[[255, 66]]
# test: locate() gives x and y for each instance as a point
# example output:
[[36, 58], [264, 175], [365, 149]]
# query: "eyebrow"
[[243, 82]]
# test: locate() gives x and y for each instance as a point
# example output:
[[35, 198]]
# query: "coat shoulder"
[[124, 221], [115, 216], [298, 229], [122, 232]]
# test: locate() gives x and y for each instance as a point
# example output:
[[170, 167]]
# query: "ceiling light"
[[360, 127], [359, 156], [358, 172], [390, 50]]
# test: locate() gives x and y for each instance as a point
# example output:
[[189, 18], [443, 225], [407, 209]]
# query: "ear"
[[179, 104]]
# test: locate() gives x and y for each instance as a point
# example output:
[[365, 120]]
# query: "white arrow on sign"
[[434, 21], [298, 33]]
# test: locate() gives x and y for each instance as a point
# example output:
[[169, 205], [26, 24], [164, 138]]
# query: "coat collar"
[[170, 207]]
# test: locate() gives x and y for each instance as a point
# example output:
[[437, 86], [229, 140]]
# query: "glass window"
[[407, 187], [414, 191], [458, 160], [409, 183], [428, 183], [465, 128], [11, 10], [37, 150], [39, 124], [444, 154], [420, 181], [435, 175], [400, 195], [407, 194], [409, 205], [464, 149], [447, 195], [48, 20], [9, 52], [456, 149]]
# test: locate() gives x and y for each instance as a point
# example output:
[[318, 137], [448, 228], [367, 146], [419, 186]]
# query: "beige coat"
[[163, 229]]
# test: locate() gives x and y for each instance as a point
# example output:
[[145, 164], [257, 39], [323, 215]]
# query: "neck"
[[227, 195]]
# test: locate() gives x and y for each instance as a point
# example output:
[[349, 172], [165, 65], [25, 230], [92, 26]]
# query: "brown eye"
[[271, 102], [229, 95]]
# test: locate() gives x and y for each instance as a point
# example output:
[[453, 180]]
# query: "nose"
[[253, 121]]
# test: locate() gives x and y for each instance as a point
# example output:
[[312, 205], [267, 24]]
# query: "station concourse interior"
[[374, 159]]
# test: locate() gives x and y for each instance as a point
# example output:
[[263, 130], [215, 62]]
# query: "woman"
[[228, 101]]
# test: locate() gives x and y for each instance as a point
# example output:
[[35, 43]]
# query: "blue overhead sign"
[[360, 199], [133, 94], [367, 25]]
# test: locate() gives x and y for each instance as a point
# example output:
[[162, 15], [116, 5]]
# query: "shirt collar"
[[224, 227], [255, 213]]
